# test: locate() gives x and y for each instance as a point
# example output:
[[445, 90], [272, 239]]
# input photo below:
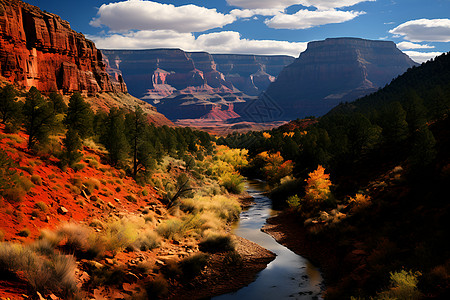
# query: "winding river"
[[288, 276]]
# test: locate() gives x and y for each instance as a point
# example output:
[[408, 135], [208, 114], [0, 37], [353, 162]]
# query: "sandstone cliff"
[[40, 49], [332, 71]]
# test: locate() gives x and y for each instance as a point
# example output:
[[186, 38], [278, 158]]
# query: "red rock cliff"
[[40, 49]]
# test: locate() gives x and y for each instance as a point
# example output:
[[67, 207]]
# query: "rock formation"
[[332, 71], [40, 49], [190, 85]]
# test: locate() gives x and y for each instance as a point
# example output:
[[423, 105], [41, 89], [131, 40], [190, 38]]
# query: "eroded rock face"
[[333, 71], [40, 49], [190, 85]]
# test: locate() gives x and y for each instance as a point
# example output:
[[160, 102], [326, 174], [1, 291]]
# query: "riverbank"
[[287, 230], [221, 277]]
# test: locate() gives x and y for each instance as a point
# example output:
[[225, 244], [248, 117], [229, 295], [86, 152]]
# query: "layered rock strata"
[[40, 49], [332, 71]]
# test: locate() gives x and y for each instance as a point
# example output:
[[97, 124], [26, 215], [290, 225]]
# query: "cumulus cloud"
[[218, 42], [282, 4], [149, 15], [248, 13], [409, 45], [421, 57], [431, 30], [306, 19]]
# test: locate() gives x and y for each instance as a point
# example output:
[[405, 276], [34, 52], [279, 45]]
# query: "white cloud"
[[218, 42], [409, 45], [265, 4], [248, 13], [421, 57], [282, 4], [431, 30], [149, 15], [306, 19]]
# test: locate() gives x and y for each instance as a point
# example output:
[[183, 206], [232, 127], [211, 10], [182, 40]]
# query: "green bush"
[[403, 286], [234, 183], [193, 265], [293, 202], [42, 206], [216, 243]]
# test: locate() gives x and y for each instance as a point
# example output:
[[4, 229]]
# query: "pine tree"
[[79, 116], [59, 107], [39, 117], [137, 127], [72, 144], [113, 138], [9, 107]]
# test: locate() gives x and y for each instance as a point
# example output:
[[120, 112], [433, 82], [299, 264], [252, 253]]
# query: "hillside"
[[364, 187]]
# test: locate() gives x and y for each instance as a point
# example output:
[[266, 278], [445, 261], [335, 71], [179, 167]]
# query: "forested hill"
[[431, 82], [366, 180]]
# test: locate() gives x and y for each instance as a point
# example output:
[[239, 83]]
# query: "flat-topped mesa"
[[40, 49], [333, 71]]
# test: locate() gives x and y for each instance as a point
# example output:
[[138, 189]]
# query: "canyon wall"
[[332, 71], [40, 49]]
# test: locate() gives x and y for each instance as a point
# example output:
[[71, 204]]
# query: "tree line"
[[392, 122], [130, 139]]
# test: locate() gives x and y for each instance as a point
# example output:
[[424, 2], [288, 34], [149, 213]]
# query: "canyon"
[[195, 85], [332, 71]]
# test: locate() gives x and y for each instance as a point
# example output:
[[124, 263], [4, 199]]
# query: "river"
[[288, 276]]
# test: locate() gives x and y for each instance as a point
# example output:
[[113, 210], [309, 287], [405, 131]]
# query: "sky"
[[420, 28]]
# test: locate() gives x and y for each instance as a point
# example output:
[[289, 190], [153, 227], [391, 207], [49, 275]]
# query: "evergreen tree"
[[416, 113], [79, 116], [59, 107], [140, 147], [423, 150], [395, 127], [39, 117], [113, 138], [72, 144], [9, 107]]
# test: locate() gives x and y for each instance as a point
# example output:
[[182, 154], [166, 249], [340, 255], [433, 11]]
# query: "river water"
[[288, 276]]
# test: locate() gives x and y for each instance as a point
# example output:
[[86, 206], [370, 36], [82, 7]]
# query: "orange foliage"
[[318, 186], [289, 134], [275, 167], [266, 135]]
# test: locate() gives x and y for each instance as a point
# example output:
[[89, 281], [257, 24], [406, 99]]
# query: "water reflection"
[[289, 275]]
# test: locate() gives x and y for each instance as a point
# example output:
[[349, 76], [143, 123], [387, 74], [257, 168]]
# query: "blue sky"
[[419, 28]]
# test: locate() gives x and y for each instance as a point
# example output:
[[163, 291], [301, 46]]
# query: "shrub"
[[170, 228], [148, 240], [233, 258], [403, 286], [131, 198], [216, 242], [78, 167], [293, 202], [24, 232], [234, 183], [42, 206], [119, 235], [193, 265], [92, 184], [2, 235], [55, 273], [157, 288]]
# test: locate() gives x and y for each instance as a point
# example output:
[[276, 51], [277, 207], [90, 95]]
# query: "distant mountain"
[[332, 71], [190, 85]]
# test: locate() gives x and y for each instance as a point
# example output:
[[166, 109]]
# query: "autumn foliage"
[[317, 187]]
